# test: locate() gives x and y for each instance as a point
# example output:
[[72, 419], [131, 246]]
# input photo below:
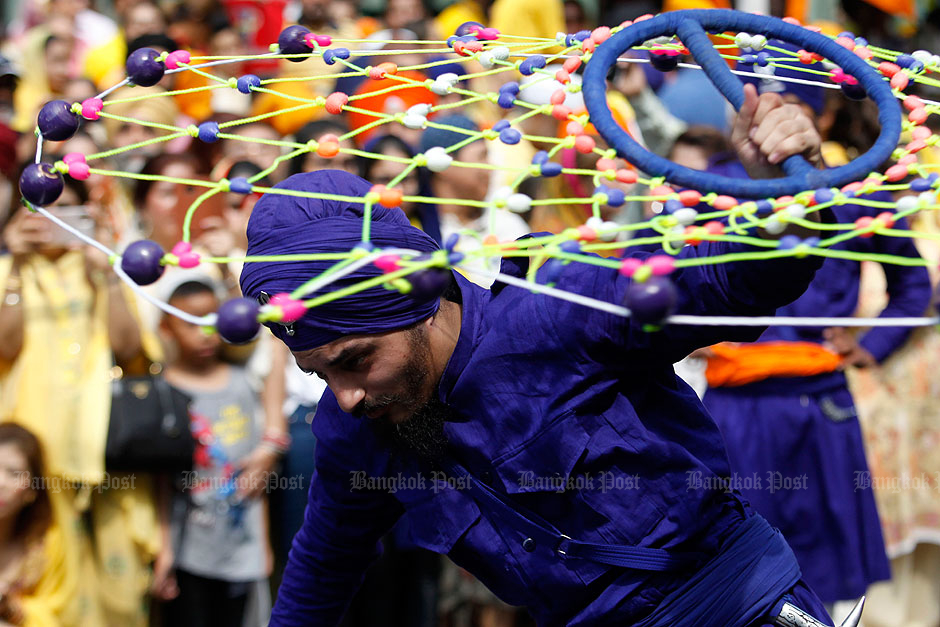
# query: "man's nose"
[[349, 397]]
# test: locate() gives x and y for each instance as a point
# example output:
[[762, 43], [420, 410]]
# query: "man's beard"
[[421, 433]]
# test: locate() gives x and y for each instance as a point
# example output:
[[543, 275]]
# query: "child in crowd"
[[218, 537], [36, 583]]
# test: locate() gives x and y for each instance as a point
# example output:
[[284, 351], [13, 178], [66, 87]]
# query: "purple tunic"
[[800, 437], [573, 414]]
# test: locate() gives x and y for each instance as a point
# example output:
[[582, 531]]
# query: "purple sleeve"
[[339, 539], [908, 294]]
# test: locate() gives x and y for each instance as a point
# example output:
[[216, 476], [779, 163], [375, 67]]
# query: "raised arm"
[[338, 540]]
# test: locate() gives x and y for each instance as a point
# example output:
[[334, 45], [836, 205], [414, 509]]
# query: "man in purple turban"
[[546, 447]]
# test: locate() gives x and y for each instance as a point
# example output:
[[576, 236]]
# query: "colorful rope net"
[[523, 65]]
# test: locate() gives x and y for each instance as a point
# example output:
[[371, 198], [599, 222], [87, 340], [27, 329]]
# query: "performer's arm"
[[334, 547]]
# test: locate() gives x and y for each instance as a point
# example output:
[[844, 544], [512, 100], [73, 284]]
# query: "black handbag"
[[149, 429]]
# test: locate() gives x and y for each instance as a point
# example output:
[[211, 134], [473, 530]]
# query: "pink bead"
[[792, 20], [899, 81], [571, 64], [864, 53], [73, 157], [913, 102], [79, 170], [488, 34], [573, 128], [907, 160], [91, 108], [181, 248], [387, 263], [586, 233], [603, 164], [918, 116], [323, 40], [629, 266], [562, 76], [916, 146], [846, 42], [661, 265], [896, 173], [175, 58], [724, 203], [189, 260], [557, 97], [838, 75], [921, 132], [291, 310], [584, 144], [335, 102], [601, 34]]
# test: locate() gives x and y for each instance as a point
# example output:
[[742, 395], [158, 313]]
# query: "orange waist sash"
[[739, 364]]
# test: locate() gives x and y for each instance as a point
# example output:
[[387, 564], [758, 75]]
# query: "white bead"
[[444, 83], [438, 159], [927, 199], [796, 211], [518, 203], [561, 37], [611, 234], [413, 121], [500, 53], [758, 42], [774, 225], [764, 71], [685, 216], [921, 55], [422, 109], [907, 203], [486, 60], [742, 40], [934, 61]]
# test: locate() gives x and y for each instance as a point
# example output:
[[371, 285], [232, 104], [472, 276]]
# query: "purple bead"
[[366, 246], [748, 59], [615, 197], [529, 65], [505, 99], [823, 195], [239, 185], [847, 33], [450, 41], [454, 258], [237, 320], [141, 261], [672, 205], [905, 60], [764, 207], [571, 246], [41, 184], [552, 270], [550, 169], [664, 62], [451, 242], [143, 68], [853, 92], [512, 87], [331, 54], [789, 242], [652, 301], [499, 126], [763, 59], [571, 40], [247, 82], [510, 136], [209, 132], [57, 122], [429, 283], [464, 29], [581, 35], [540, 157], [291, 41]]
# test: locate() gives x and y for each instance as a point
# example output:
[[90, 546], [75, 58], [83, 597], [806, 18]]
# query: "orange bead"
[[560, 112], [390, 197], [490, 240], [328, 146], [714, 227], [557, 97], [335, 102], [600, 34], [916, 146], [888, 69], [563, 77], [918, 116], [899, 81], [603, 164], [896, 173], [382, 70], [724, 203]]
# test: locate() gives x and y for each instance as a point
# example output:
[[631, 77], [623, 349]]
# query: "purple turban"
[[282, 225]]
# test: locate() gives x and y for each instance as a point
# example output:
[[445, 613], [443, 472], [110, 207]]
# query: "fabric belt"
[[538, 531]]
